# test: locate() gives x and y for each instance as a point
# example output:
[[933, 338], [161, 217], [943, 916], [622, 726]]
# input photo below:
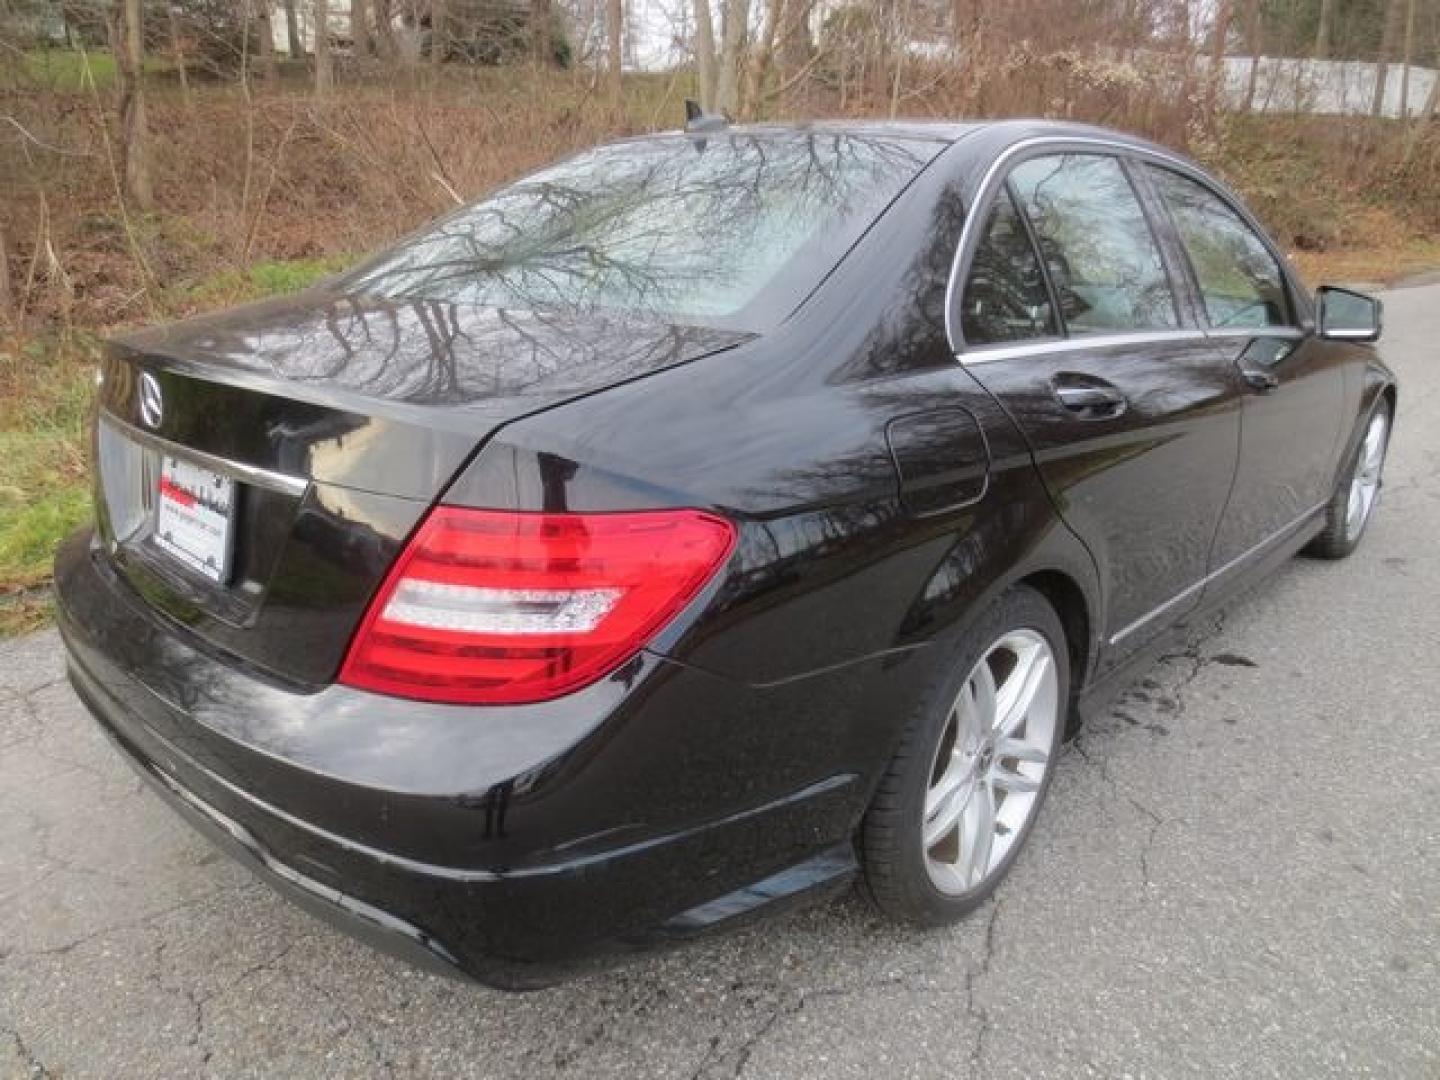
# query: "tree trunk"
[[438, 39], [1387, 49], [129, 32], [760, 59], [177, 50], [7, 294], [542, 16], [1255, 45], [796, 46], [705, 60], [1322, 31], [324, 78], [267, 40], [384, 35], [360, 28], [1219, 36], [1407, 57], [732, 53], [292, 31], [614, 42]]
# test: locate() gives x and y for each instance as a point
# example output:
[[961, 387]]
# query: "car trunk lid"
[[258, 470]]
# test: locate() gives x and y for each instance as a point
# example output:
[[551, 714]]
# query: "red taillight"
[[491, 606]]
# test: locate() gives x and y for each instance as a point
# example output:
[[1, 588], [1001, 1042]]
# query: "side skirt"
[[1096, 699]]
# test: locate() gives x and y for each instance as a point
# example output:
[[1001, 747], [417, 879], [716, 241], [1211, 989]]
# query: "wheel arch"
[[1064, 594]]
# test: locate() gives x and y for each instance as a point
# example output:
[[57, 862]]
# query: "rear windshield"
[[731, 230]]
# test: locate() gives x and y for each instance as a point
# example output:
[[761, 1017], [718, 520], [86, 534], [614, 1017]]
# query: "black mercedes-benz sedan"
[[701, 524]]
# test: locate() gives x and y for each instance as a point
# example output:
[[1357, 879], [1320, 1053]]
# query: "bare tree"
[[266, 39], [292, 31], [177, 52], [1387, 50], [1407, 57], [384, 29], [796, 45], [1255, 46], [735, 24], [1322, 30], [761, 58], [7, 295], [542, 24], [324, 77], [128, 30], [706, 63], [360, 27], [438, 40], [1219, 36], [614, 37]]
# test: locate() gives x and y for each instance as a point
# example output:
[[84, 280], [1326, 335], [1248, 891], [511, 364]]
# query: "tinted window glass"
[[1005, 296], [730, 229], [1239, 279], [1103, 259]]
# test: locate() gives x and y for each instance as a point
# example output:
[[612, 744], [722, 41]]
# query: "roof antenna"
[[697, 120]]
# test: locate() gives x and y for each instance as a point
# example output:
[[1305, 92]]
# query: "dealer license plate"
[[195, 508]]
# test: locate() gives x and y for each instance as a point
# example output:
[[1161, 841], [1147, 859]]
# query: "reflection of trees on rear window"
[[676, 227], [1103, 259], [1238, 277]]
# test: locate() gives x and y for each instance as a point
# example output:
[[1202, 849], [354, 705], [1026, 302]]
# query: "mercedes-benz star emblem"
[[152, 405]]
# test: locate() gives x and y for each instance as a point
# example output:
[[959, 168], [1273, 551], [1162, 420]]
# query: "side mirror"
[[1346, 315]]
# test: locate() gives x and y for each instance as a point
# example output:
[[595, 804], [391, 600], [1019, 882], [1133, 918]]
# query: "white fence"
[[1345, 87]]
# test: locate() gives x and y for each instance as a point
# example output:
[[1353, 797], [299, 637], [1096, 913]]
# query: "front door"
[[1293, 383]]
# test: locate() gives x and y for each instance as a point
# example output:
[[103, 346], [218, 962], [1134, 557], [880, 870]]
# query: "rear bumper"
[[507, 845]]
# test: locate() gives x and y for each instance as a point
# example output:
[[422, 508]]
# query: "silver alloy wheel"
[[991, 761], [1365, 483]]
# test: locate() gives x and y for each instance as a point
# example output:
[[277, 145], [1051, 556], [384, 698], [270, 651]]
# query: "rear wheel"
[[959, 797], [1353, 502]]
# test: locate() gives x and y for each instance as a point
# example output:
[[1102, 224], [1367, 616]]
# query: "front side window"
[[1005, 295], [733, 229], [1239, 280], [1103, 259]]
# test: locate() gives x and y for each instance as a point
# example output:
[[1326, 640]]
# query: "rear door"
[[1292, 423], [1132, 417]]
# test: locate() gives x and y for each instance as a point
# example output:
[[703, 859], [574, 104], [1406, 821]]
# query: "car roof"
[[947, 131]]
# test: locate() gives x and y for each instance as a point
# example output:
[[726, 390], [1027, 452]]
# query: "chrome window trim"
[[984, 354], [995, 178], [1214, 575], [1298, 295], [992, 179], [1279, 330], [250, 474]]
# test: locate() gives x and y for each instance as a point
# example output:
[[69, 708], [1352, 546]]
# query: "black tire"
[[895, 877], [1338, 539]]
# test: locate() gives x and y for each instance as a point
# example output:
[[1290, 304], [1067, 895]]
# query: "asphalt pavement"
[[1237, 875]]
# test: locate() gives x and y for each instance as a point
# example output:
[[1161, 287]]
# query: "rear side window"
[[1240, 281], [1005, 295], [1103, 259]]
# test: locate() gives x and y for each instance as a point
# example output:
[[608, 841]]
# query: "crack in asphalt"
[[974, 975], [1195, 660], [141, 923], [34, 1067], [735, 1060]]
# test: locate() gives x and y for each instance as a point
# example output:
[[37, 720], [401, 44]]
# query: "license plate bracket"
[[195, 516]]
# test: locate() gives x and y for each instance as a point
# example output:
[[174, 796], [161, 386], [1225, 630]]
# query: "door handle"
[[1260, 380], [1092, 402]]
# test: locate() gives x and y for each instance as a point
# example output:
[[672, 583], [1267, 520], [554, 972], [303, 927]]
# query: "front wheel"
[[1353, 502], [958, 799]]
